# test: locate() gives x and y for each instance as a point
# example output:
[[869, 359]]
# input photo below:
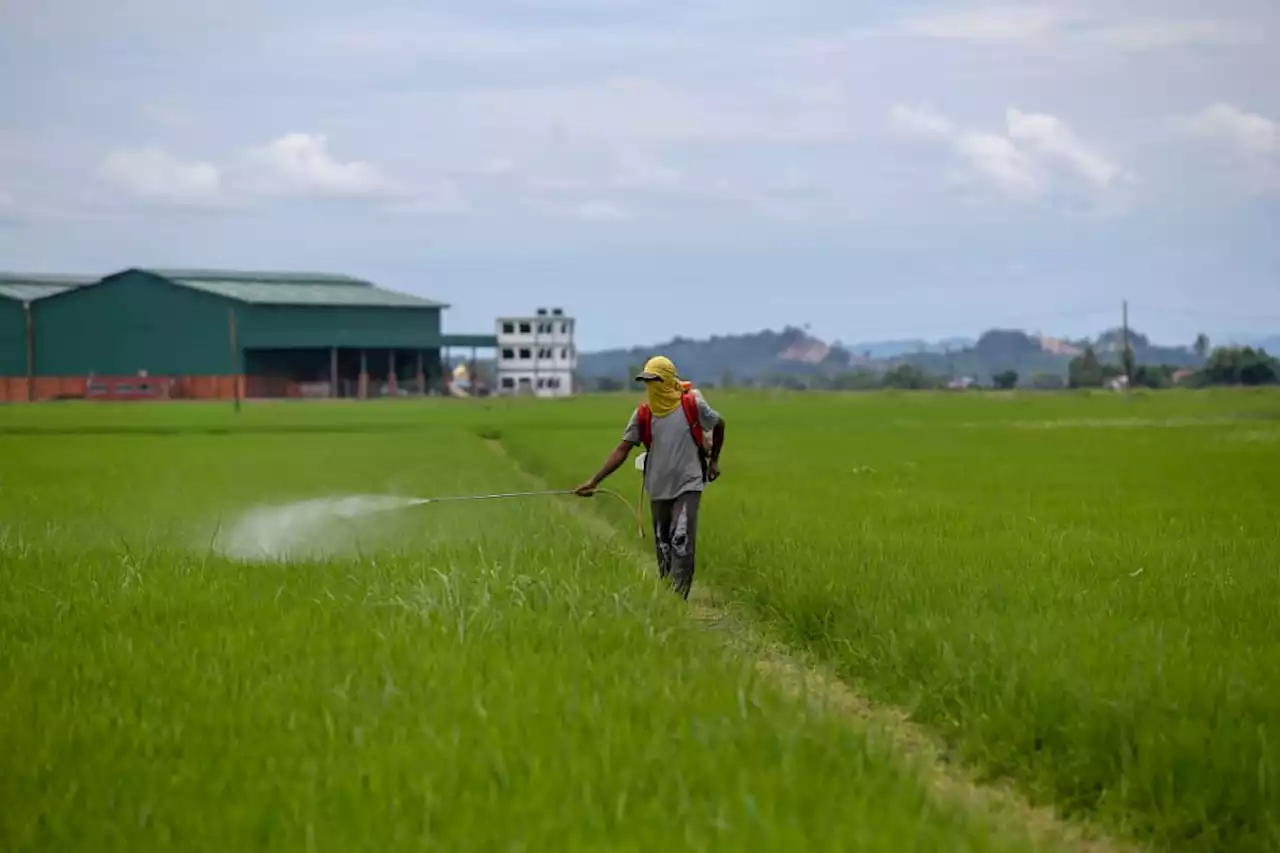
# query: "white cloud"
[[1017, 163], [998, 159], [296, 165], [992, 23], [1250, 140], [153, 174], [1153, 35], [1079, 25], [1052, 138], [299, 165], [696, 120], [1244, 132], [920, 121]]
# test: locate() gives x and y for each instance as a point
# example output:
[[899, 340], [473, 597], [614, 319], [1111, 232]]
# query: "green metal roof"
[[26, 287], [477, 341], [275, 288]]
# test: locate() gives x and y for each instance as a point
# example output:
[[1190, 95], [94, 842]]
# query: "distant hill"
[[791, 355], [894, 349], [731, 358]]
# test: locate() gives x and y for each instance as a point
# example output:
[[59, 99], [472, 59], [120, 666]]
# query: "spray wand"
[[542, 493]]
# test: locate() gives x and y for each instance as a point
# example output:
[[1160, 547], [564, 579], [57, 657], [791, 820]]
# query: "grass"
[[1077, 591], [493, 676]]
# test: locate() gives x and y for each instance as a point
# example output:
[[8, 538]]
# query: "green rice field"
[[1077, 594]]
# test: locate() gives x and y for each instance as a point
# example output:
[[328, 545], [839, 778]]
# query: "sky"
[[870, 170]]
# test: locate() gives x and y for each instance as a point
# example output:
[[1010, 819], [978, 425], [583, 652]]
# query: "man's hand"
[[713, 469], [586, 490]]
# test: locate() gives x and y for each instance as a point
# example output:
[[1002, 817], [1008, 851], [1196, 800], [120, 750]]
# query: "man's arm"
[[711, 416], [717, 440], [611, 463]]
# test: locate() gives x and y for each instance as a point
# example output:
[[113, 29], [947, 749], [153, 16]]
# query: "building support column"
[[392, 385], [334, 391], [31, 353], [421, 375], [237, 362], [364, 374]]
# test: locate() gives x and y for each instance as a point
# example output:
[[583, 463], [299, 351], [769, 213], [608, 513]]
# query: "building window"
[[508, 383], [524, 328], [525, 355], [553, 382], [508, 354], [564, 353], [544, 328], [508, 328]]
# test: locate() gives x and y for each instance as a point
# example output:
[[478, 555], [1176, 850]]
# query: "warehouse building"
[[18, 293], [219, 334]]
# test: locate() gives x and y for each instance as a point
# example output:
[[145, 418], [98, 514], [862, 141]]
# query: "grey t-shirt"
[[672, 467]]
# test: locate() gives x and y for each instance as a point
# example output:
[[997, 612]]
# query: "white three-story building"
[[536, 355]]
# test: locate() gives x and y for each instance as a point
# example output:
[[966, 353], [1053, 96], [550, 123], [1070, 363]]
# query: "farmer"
[[670, 424]]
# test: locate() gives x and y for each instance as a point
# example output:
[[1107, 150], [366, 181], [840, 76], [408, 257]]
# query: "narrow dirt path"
[[1000, 805]]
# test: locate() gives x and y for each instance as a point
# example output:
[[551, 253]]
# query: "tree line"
[[1000, 358], [1221, 367]]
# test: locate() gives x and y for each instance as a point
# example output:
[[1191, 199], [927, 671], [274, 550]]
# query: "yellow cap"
[[658, 367]]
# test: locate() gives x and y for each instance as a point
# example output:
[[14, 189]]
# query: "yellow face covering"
[[664, 393]]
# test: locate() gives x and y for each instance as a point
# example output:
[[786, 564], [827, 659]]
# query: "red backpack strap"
[[690, 405], [644, 419]]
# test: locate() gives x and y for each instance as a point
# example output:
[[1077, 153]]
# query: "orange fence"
[[14, 389], [206, 387]]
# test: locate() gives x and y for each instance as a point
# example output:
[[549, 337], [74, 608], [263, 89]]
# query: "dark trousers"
[[675, 534]]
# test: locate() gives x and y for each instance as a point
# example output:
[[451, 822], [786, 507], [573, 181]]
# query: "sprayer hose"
[[636, 513]]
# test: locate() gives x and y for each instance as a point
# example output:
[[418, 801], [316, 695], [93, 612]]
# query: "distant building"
[[173, 334], [536, 354]]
